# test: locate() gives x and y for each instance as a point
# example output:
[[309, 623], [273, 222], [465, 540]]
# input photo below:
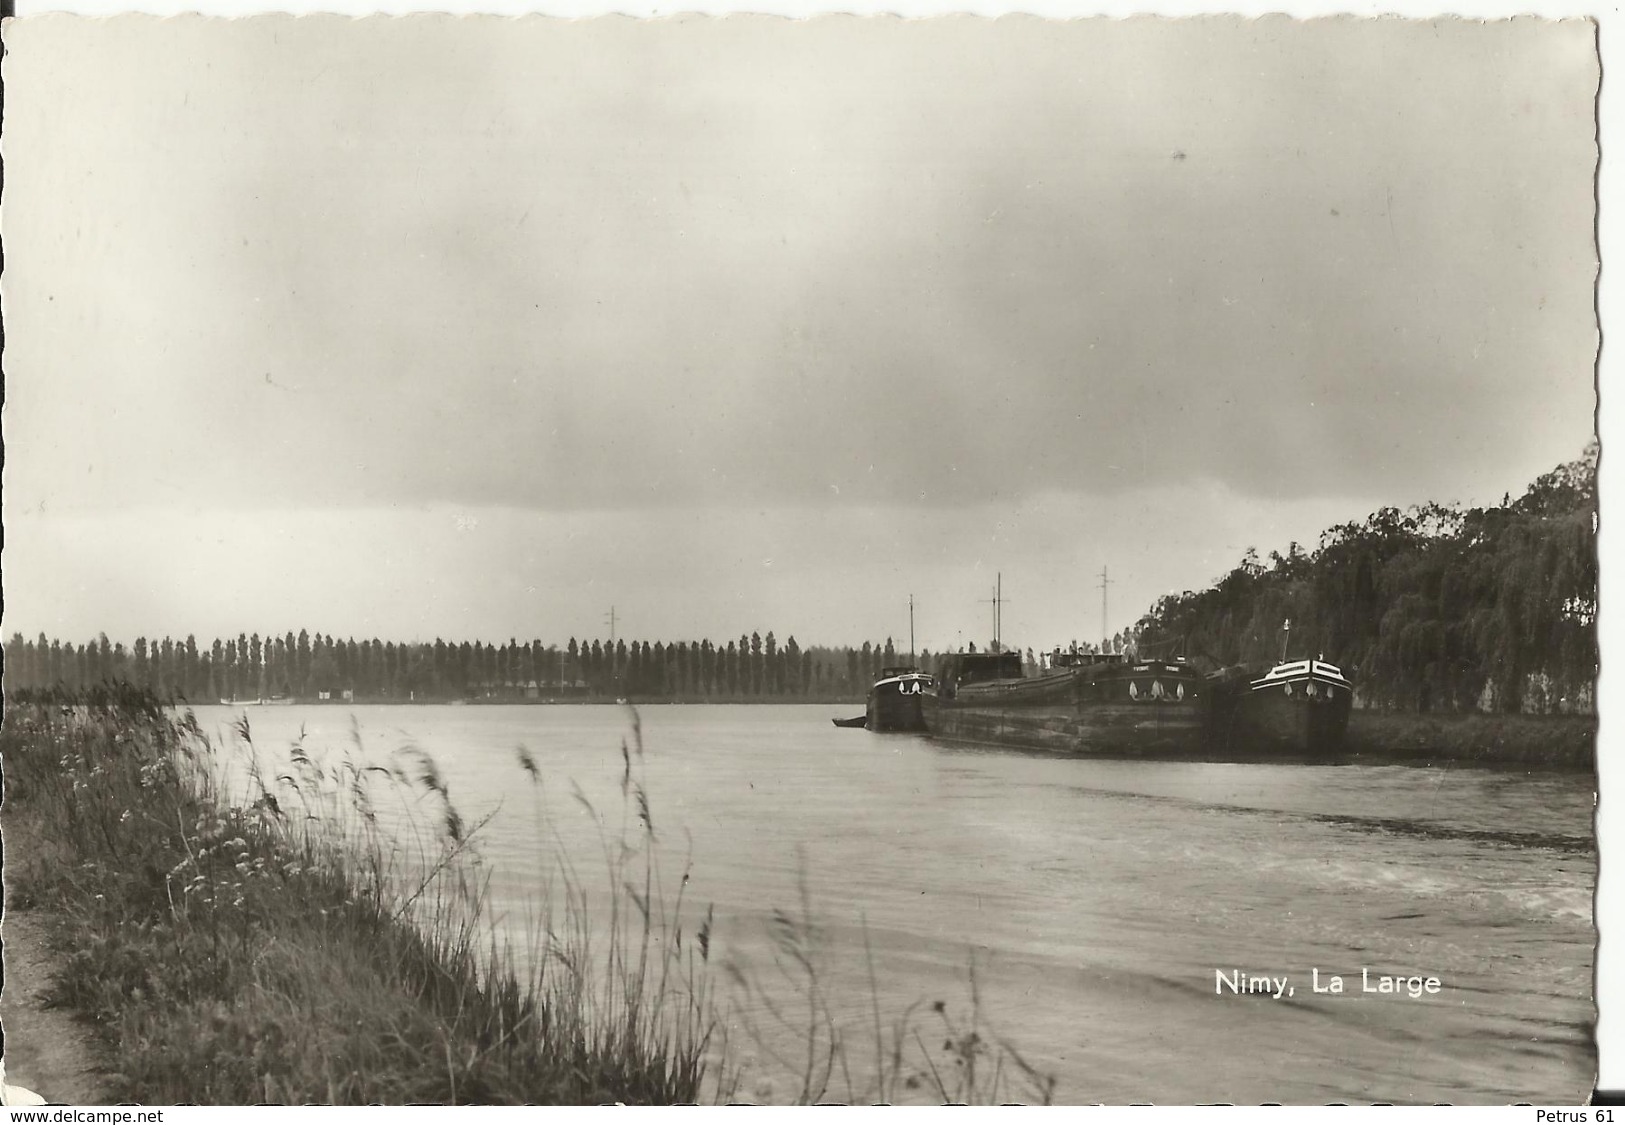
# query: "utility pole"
[[1105, 637], [997, 602], [614, 671]]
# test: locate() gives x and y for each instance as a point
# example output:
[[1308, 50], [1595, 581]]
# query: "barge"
[[1109, 704]]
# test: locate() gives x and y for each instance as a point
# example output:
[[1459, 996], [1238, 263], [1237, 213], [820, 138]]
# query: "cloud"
[[832, 576], [609, 265]]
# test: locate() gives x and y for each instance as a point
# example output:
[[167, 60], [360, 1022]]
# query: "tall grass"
[[295, 947], [926, 1053], [316, 931]]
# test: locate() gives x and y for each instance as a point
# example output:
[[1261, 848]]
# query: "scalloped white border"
[[803, 9], [1611, 300]]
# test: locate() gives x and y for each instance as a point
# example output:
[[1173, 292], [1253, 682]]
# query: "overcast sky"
[[474, 328]]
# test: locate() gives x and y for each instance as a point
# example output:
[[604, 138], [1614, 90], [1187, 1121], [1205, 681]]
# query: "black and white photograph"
[[850, 560]]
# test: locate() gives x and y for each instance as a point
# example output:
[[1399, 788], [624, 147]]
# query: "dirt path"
[[45, 1050]]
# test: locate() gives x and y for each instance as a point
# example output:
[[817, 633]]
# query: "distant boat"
[[859, 722], [897, 700], [1301, 706]]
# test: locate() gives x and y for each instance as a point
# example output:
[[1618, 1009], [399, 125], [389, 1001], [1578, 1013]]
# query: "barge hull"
[[1293, 724], [1134, 730], [889, 711]]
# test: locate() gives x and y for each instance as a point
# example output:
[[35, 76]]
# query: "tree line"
[[317, 667], [1432, 608]]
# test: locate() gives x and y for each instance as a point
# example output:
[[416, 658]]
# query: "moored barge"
[[1300, 706], [896, 702], [1086, 703]]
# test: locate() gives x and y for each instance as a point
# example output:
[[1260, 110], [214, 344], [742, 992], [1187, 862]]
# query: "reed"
[[296, 948], [925, 1054], [321, 931]]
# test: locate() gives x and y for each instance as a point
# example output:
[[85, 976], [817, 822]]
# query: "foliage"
[[1433, 608], [315, 668]]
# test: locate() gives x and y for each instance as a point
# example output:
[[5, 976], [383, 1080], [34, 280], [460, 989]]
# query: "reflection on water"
[[1098, 898]]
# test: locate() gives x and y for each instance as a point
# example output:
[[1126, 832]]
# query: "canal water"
[[1096, 904]]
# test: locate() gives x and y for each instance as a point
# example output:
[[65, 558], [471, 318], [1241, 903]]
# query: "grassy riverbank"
[[288, 947], [1564, 741], [290, 953]]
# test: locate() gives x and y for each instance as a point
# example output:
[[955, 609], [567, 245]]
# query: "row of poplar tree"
[[307, 666], [1432, 608]]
